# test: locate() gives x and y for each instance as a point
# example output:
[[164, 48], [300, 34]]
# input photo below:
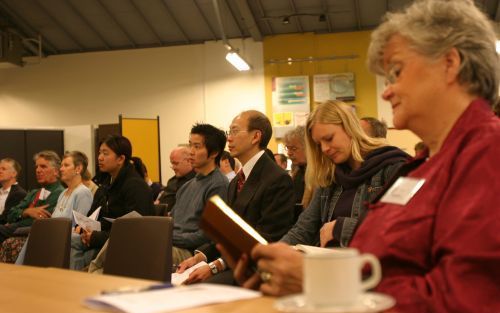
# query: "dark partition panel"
[[23, 144], [38, 140], [12, 145], [101, 132]]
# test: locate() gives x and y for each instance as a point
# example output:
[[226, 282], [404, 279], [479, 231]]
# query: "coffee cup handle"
[[376, 274]]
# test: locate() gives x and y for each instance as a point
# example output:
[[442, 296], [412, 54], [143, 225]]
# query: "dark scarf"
[[374, 162]]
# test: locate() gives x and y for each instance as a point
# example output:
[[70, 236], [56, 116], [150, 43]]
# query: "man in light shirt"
[[10, 192]]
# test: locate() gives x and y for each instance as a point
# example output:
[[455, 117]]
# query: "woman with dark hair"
[[122, 192]]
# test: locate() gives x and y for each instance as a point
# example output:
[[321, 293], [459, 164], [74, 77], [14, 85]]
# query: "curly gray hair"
[[433, 27]]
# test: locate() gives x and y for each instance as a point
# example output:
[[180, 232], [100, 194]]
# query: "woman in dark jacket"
[[122, 192]]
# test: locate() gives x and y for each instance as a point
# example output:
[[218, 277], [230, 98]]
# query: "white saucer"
[[368, 302]]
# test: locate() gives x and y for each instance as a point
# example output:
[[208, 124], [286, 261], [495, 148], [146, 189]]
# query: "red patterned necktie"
[[241, 180]]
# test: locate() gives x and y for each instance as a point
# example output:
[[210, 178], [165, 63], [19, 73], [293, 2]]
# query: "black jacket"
[[266, 202], [16, 194], [127, 193]]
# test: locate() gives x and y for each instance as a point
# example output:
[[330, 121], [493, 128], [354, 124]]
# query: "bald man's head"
[[179, 161]]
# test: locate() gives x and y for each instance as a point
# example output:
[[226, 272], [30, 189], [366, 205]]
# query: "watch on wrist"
[[213, 268]]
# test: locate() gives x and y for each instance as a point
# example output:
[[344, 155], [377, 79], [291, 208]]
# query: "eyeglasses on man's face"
[[233, 132]]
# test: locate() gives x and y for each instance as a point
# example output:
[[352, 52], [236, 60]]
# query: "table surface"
[[32, 289]]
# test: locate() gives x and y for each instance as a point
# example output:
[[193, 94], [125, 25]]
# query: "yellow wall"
[[317, 46], [143, 134]]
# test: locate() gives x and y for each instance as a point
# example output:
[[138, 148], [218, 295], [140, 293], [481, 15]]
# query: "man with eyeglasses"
[[295, 149], [261, 193]]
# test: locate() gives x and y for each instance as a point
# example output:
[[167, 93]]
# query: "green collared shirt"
[[15, 213]]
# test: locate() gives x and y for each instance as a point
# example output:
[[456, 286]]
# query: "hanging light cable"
[[232, 55]]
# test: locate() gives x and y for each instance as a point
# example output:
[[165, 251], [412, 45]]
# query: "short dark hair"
[[259, 121], [379, 128], [213, 138], [79, 158], [120, 145], [227, 156], [17, 167]]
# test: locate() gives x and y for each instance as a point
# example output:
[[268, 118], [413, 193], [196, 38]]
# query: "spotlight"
[[286, 20]]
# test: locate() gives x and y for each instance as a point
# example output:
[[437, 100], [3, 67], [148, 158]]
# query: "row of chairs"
[[138, 247]]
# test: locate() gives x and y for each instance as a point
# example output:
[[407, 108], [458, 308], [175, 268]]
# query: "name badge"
[[402, 190]]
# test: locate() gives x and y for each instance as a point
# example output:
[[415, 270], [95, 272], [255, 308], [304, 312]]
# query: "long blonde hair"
[[320, 168]]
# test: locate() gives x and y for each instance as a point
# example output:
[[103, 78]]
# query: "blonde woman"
[[347, 168]]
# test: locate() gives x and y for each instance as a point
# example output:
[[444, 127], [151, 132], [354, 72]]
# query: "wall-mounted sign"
[[334, 87]]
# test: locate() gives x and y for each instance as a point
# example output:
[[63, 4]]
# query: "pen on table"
[[136, 289]]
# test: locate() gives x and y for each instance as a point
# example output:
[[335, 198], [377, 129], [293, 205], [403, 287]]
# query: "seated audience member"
[[183, 170], [373, 127], [142, 170], [11, 193], [206, 144], [87, 181], [77, 197], [420, 148], [262, 193], [439, 248], [281, 160], [348, 167], [38, 203], [122, 192], [295, 148], [227, 164]]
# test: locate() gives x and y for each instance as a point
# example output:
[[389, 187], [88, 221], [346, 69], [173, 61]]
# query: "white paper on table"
[[86, 222], [171, 299], [312, 249], [178, 279]]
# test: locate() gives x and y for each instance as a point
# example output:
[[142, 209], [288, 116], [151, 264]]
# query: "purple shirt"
[[441, 251]]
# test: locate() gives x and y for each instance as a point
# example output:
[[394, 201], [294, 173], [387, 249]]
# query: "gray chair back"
[[49, 243], [141, 248]]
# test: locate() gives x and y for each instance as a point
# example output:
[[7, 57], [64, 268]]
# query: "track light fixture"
[[232, 55]]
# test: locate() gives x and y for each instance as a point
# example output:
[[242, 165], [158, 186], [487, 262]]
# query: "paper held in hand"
[[88, 222], [226, 227]]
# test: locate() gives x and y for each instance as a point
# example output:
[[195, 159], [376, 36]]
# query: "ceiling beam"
[[248, 20], [234, 17], [87, 22], [262, 15], [329, 21], [205, 19], [177, 24], [297, 18], [58, 24], [146, 21], [27, 28], [122, 29]]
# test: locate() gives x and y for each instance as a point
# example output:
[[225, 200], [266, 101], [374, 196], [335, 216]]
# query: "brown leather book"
[[224, 226]]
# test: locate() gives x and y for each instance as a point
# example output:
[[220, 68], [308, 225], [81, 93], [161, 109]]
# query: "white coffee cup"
[[334, 277]]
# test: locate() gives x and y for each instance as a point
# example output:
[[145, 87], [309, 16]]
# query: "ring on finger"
[[265, 277]]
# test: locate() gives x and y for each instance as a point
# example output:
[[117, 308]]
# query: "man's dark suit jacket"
[[16, 194], [266, 202]]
